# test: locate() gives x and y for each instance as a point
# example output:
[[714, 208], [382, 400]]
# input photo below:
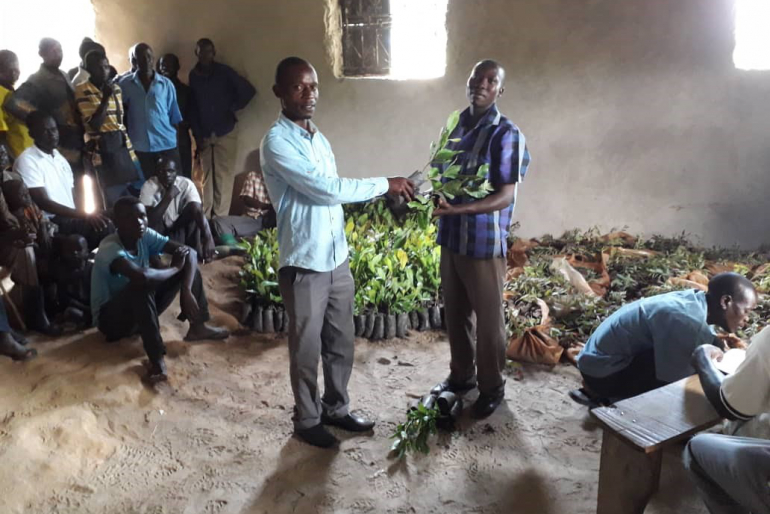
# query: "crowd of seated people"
[[73, 266]]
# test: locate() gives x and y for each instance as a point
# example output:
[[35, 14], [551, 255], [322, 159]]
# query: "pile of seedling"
[[618, 268], [394, 263]]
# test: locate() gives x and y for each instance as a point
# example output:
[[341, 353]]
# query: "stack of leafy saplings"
[[394, 263], [559, 290], [263, 310]]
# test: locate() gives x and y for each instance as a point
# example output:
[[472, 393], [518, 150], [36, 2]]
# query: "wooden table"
[[635, 432]]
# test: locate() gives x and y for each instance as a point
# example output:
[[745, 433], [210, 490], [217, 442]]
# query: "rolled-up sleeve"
[[299, 173]]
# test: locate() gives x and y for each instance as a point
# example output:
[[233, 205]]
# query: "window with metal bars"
[[366, 31]]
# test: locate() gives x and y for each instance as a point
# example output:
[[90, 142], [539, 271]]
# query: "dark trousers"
[[4, 325], [237, 226], [148, 160], [136, 309], [475, 322], [185, 230], [637, 378], [320, 308], [80, 226]]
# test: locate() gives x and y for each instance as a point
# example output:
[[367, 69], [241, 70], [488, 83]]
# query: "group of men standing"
[[145, 112]]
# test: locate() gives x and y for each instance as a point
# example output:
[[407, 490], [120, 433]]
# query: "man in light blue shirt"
[[314, 278], [648, 343], [152, 111]]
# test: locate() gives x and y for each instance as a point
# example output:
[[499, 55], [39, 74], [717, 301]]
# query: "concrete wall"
[[633, 110]]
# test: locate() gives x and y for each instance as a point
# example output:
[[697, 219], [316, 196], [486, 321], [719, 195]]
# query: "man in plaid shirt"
[[473, 237], [258, 213]]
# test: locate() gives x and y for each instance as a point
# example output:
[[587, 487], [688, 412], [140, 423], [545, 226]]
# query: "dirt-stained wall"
[[634, 112]]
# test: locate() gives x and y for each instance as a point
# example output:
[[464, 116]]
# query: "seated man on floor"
[[127, 296], [24, 243], [648, 343], [49, 178], [258, 214], [71, 276], [174, 208]]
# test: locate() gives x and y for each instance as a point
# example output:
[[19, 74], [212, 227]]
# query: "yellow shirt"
[[16, 132]]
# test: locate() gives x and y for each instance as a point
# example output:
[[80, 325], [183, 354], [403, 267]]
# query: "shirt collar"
[[215, 67], [44, 154], [296, 129], [135, 78], [492, 117]]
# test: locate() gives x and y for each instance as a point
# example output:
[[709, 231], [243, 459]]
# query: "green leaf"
[[452, 121], [445, 156], [452, 171], [483, 171]]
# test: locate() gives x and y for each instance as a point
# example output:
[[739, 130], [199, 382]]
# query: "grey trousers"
[[237, 226], [320, 308], [475, 322], [731, 473]]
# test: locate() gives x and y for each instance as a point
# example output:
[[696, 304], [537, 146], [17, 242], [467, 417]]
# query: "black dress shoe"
[[317, 436], [454, 387], [486, 404], [349, 422]]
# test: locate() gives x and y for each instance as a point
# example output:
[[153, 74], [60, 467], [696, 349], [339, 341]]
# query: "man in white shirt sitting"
[[174, 208], [50, 181], [733, 472]]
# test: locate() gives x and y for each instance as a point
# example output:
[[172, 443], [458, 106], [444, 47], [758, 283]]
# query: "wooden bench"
[[636, 431]]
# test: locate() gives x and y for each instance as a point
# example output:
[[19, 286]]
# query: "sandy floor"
[[80, 433]]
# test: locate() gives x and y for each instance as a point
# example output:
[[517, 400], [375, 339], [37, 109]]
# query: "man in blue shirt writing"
[[648, 343], [314, 277]]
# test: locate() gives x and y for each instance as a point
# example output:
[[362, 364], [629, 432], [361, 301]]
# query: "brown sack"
[[623, 237], [517, 253], [634, 254], [535, 346], [699, 277]]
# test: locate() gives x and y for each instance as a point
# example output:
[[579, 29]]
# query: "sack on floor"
[[536, 346]]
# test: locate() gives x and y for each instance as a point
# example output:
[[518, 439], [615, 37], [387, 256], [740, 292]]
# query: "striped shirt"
[[496, 141], [89, 98]]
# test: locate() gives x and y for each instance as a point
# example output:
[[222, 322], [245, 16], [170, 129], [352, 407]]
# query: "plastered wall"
[[633, 111]]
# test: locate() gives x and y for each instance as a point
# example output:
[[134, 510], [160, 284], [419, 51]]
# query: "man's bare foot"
[[10, 348], [201, 331], [156, 371]]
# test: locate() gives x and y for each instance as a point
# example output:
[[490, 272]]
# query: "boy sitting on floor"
[[71, 273], [127, 295]]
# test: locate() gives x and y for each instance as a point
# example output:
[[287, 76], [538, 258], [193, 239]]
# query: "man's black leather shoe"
[[456, 388], [486, 404], [349, 422], [317, 436]]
